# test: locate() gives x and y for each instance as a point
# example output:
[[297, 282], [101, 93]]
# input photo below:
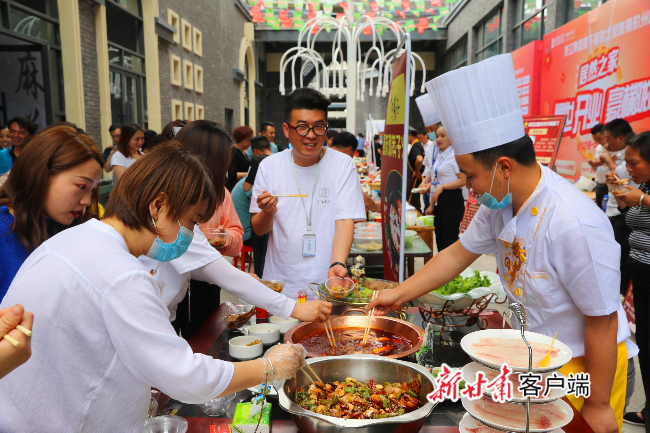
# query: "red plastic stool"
[[245, 250]]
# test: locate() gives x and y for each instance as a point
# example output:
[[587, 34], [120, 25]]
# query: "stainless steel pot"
[[362, 368]]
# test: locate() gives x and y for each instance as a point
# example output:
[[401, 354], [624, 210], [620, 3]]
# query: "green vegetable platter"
[[465, 288]]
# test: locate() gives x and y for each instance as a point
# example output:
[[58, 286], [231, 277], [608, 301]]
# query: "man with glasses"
[[310, 237]]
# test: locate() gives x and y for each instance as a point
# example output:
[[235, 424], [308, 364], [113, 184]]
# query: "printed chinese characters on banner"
[[593, 71]]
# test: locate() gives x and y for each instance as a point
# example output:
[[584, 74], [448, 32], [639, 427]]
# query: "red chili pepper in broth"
[[370, 383]]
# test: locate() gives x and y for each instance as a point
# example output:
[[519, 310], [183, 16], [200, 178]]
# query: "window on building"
[[33, 76], [229, 118], [576, 8], [246, 94], [490, 35], [456, 57], [530, 20], [126, 61]]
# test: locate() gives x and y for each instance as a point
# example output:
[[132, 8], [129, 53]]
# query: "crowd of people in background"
[[229, 181]]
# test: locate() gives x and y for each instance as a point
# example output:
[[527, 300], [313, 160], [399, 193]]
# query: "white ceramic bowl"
[[237, 347], [284, 325], [267, 332]]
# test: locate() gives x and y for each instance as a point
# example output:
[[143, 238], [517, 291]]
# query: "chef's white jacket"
[[558, 257]]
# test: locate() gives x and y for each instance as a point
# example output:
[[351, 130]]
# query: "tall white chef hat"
[[427, 110], [478, 105], [380, 125]]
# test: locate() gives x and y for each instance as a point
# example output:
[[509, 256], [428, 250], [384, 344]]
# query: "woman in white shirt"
[[128, 149], [447, 203], [103, 336]]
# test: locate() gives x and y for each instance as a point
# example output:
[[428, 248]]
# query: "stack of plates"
[[547, 413]]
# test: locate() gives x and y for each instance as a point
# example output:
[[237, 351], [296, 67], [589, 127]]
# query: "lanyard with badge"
[[436, 167], [308, 239]]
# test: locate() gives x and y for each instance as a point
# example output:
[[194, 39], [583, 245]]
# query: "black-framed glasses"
[[303, 130]]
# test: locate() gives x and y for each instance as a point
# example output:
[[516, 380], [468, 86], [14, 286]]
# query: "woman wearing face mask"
[[447, 204], [128, 149], [204, 265], [102, 326], [47, 189]]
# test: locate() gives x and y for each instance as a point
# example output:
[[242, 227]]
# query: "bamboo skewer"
[[369, 323], [291, 195]]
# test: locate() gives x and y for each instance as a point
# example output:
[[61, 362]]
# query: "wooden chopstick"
[[291, 195], [330, 333], [307, 368], [369, 322]]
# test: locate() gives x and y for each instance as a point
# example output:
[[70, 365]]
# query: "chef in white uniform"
[[556, 251]]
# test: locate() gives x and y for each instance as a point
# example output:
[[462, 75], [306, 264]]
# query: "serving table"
[[212, 339]]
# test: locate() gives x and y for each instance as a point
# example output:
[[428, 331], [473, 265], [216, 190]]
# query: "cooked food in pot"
[[348, 341], [357, 400]]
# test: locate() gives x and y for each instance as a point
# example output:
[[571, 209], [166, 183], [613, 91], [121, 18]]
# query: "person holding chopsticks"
[[204, 265], [310, 234], [103, 337]]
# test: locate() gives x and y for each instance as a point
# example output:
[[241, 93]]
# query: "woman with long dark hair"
[[204, 264], [52, 185], [128, 149], [102, 338], [635, 203]]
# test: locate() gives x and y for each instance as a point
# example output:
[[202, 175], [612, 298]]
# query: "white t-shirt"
[[619, 159], [337, 196], [601, 171], [102, 339], [118, 158]]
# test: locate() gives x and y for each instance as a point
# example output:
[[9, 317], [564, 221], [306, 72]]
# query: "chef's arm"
[[601, 352], [343, 233], [442, 268], [458, 183]]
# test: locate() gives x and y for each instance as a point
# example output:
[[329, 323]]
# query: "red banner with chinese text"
[[527, 62], [594, 70]]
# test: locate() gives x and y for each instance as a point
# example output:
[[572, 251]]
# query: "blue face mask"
[[488, 199], [166, 252], [432, 136]]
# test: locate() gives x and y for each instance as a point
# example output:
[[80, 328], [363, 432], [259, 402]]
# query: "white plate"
[[555, 363], [468, 422], [470, 370], [255, 389], [468, 405]]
